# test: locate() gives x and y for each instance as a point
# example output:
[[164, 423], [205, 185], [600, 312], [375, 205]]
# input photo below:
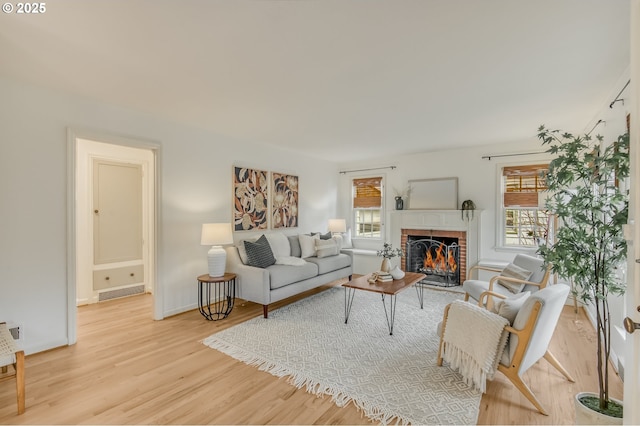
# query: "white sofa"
[[303, 262]]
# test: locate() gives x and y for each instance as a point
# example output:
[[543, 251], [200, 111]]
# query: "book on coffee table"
[[384, 277]]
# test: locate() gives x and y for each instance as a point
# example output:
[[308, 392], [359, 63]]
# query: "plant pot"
[[587, 416]]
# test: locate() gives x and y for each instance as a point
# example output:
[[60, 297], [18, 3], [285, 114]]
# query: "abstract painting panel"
[[250, 188], [284, 202]]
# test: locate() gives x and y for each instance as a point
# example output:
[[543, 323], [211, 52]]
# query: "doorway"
[[112, 221]]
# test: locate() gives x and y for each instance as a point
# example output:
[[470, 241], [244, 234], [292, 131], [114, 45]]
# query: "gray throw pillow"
[[294, 242], [259, 254], [514, 271], [326, 236]]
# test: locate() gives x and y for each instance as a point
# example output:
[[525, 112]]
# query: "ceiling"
[[335, 79]]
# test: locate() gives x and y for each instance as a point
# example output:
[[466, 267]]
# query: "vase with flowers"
[[387, 253]]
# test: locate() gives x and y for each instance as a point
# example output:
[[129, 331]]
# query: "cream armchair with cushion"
[[530, 323], [524, 273]]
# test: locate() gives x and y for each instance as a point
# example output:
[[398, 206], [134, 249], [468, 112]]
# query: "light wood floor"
[[128, 369]]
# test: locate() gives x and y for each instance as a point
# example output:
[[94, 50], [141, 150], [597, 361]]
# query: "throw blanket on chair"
[[474, 339]]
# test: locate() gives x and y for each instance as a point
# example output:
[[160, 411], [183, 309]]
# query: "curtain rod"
[[617, 99], [344, 172], [595, 125], [489, 157]]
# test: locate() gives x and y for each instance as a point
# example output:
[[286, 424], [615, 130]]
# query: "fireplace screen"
[[437, 258]]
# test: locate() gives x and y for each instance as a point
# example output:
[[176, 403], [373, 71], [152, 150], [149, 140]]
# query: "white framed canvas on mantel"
[[433, 194]]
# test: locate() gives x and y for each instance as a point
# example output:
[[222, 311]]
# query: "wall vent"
[[15, 332], [121, 292]]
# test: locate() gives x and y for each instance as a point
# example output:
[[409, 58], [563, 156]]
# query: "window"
[[367, 207], [526, 223]]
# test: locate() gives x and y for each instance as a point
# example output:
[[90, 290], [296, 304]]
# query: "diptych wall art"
[[284, 202], [260, 202], [250, 199]]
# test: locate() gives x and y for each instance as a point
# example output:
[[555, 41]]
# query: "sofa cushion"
[[325, 248], [476, 287], [282, 275], [308, 245], [331, 263], [259, 254], [279, 244], [294, 243]]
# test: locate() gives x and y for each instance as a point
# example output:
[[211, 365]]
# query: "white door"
[[117, 212], [632, 355]]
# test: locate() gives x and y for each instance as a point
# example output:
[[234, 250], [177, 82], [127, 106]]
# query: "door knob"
[[630, 325]]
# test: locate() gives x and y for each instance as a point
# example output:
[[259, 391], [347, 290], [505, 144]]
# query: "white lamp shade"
[[337, 225], [215, 235]]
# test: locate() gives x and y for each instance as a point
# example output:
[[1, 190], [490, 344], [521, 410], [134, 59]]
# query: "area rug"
[[392, 378]]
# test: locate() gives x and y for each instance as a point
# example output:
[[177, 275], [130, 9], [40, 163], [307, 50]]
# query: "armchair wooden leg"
[[444, 325], [439, 361], [20, 381], [512, 375], [466, 297], [554, 361]]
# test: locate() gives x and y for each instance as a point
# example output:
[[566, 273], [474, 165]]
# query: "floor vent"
[[121, 292]]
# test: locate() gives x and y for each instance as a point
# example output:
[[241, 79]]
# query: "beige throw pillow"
[[325, 248], [514, 271], [508, 308]]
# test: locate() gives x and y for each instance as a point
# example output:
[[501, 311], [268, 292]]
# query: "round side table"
[[217, 304]]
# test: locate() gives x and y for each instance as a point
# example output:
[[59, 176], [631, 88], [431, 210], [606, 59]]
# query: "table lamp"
[[337, 226], [216, 235]]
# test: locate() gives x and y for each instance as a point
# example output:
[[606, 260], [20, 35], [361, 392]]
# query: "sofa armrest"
[[348, 252], [253, 284]]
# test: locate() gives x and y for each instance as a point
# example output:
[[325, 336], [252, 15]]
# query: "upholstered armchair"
[[524, 273], [530, 323]]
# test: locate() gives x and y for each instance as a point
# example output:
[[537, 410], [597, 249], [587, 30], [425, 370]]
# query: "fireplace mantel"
[[442, 220]]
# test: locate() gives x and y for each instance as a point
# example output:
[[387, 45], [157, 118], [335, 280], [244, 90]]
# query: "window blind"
[[523, 183], [367, 192]]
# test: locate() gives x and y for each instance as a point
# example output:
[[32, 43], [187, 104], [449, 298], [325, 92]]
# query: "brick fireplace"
[[415, 242], [446, 224]]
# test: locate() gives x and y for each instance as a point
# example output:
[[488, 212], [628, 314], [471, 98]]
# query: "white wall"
[[477, 177], [196, 170], [477, 180]]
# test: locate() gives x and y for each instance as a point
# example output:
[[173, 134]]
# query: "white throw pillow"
[[339, 241], [279, 244], [346, 239], [242, 251], [514, 271], [308, 245], [508, 308]]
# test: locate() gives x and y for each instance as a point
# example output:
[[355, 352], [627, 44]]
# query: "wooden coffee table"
[[391, 289]]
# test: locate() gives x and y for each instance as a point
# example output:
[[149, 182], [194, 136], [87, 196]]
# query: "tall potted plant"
[[585, 195]]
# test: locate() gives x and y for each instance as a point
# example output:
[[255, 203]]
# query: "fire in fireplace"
[[436, 257]]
